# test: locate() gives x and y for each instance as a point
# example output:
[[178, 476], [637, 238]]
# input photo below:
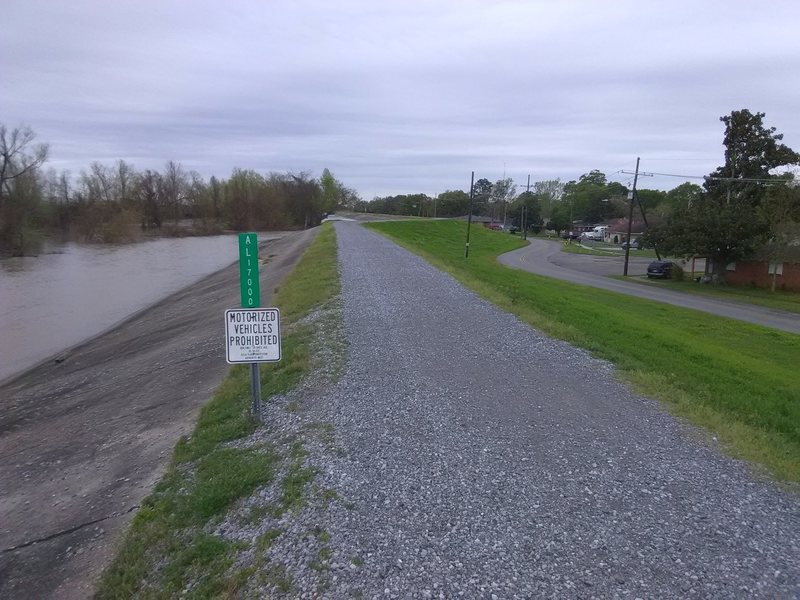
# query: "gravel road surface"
[[84, 438], [545, 258], [480, 459]]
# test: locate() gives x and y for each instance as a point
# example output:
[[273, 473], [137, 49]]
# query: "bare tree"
[[64, 186], [216, 196], [50, 184], [103, 182], [174, 184], [147, 192], [18, 156], [125, 175], [90, 189], [198, 198]]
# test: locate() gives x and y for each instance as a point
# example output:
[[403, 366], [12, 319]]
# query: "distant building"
[[617, 231]]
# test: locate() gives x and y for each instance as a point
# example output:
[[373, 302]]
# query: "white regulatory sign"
[[252, 335]]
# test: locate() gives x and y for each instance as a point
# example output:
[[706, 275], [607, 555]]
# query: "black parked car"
[[660, 269]]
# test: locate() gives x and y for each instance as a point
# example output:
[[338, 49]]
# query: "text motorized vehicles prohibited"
[[252, 335]]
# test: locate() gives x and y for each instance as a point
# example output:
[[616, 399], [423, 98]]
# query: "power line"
[[649, 174], [710, 178], [680, 159], [613, 178]]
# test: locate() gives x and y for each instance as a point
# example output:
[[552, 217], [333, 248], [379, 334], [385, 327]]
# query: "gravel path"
[[479, 458]]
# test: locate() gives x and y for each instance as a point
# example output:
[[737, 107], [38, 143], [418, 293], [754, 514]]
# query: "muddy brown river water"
[[72, 292]]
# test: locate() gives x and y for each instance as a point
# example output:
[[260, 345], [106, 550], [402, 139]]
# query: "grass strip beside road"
[[779, 299], [603, 250], [169, 549], [739, 381]]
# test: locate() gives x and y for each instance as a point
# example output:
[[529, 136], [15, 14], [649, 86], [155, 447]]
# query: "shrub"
[[677, 272]]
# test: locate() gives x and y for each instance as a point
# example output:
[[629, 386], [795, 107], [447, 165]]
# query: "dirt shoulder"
[[83, 440]]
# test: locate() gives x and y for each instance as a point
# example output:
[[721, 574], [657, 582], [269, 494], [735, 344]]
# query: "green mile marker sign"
[[248, 270]]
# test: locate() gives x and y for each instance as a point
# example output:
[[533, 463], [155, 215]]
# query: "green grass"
[[779, 299], [167, 548], [738, 380], [601, 250], [576, 248]]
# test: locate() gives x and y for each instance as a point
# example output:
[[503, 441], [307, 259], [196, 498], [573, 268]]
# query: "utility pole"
[[639, 202], [505, 196], [469, 219], [525, 210], [631, 196]]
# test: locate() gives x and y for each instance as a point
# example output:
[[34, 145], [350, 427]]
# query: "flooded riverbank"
[[56, 300]]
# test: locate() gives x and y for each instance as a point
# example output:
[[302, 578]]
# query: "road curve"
[[545, 258]]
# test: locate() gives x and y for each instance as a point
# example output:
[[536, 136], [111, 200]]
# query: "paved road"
[[478, 458], [545, 258], [82, 441]]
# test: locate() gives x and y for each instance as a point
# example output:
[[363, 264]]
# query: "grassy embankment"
[[740, 381], [170, 544]]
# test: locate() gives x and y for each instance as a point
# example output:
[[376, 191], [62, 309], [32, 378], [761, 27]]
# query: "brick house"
[[760, 272]]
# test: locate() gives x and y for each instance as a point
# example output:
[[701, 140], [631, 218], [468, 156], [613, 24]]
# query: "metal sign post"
[[245, 334]]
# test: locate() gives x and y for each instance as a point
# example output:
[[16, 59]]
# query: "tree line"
[[550, 204], [745, 209], [118, 203]]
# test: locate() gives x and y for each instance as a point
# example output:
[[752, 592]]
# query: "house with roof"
[[767, 272], [617, 231]]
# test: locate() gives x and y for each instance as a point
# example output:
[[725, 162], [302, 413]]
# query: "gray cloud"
[[398, 97]]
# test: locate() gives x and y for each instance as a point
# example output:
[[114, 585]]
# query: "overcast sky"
[[399, 97]]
